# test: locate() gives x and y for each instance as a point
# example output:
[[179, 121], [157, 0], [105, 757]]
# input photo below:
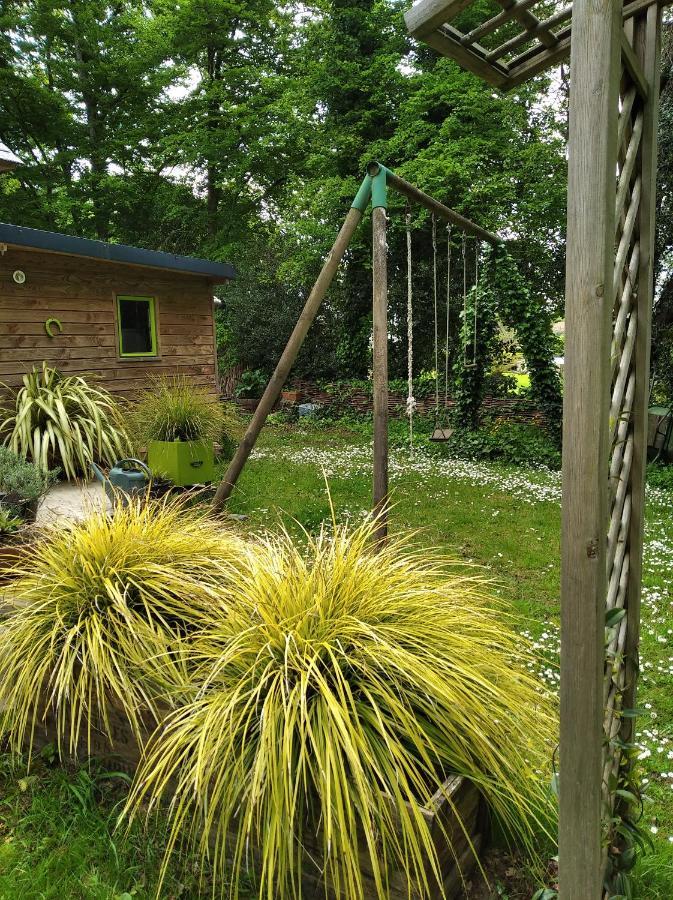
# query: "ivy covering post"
[[504, 294]]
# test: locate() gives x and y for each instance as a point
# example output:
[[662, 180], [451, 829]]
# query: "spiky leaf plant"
[[339, 679], [64, 421], [101, 612], [172, 408]]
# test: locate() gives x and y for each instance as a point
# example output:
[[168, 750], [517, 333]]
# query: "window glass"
[[137, 327]]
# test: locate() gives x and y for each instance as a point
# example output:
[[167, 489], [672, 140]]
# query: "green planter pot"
[[182, 462]]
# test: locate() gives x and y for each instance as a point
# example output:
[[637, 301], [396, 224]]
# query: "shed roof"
[[35, 239], [8, 160]]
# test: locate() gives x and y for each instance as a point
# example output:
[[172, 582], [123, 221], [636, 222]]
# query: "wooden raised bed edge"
[[12, 553], [456, 858]]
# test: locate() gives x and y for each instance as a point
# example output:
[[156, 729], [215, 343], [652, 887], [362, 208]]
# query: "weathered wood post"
[[609, 293], [285, 363], [380, 349], [595, 66]]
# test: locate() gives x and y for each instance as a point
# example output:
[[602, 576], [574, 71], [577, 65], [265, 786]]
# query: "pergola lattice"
[[517, 40], [614, 53]]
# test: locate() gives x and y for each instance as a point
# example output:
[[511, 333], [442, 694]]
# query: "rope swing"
[[411, 401]]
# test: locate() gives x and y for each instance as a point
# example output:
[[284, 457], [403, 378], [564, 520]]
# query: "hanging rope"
[[411, 402], [448, 315], [434, 297], [476, 301]]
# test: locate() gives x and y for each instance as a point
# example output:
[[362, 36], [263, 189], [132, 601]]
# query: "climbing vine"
[[533, 328], [472, 365], [504, 294]]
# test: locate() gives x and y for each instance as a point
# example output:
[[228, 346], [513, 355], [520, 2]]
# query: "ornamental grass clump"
[[102, 612], [174, 409], [63, 421], [340, 678]]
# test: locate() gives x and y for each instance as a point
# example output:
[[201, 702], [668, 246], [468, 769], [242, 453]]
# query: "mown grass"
[[52, 847]]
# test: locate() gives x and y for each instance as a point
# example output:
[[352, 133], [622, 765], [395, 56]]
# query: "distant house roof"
[[35, 239], [8, 160]]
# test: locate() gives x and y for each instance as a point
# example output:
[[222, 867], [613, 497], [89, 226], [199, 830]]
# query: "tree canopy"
[[241, 130]]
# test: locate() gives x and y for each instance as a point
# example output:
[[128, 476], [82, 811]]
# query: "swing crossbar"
[[439, 209]]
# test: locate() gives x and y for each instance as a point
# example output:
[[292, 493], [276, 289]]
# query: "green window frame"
[[151, 326]]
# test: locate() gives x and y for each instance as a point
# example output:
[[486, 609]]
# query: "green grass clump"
[[344, 675]]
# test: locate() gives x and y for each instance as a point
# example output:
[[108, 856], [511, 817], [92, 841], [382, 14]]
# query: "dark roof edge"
[[36, 239]]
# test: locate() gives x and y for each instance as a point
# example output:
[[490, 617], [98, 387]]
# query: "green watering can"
[[126, 478]]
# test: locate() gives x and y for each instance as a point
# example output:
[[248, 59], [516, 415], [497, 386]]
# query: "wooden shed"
[[115, 311]]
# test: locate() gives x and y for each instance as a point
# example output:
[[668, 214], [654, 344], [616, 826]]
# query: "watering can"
[[126, 478]]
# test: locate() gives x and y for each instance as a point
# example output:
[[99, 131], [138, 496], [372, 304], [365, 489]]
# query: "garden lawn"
[[56, 829], [508, 522]]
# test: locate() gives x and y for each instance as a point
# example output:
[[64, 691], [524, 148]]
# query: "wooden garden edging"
[[457, 799]]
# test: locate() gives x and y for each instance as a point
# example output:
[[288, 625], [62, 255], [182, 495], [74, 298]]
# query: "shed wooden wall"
[[81, 294]]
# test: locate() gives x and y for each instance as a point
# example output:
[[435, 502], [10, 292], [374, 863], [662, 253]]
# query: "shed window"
[[137, 326]]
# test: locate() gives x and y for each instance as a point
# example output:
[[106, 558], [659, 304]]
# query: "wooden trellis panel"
[[510, 43]]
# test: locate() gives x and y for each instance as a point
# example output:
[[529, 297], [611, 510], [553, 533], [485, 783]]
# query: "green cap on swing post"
[[361, 199], [379, 178]]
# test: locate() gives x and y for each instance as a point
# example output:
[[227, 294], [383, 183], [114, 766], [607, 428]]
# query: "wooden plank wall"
[[81, 293]]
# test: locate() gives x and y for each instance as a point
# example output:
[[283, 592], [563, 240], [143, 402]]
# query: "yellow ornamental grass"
[[101, 614], [339, 678]]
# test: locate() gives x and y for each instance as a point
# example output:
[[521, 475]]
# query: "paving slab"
[[72, 502]]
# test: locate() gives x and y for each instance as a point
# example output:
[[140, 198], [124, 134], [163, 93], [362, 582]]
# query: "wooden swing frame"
[[374, 188]]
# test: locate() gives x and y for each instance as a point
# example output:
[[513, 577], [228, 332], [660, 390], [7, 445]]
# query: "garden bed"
[[457, 801]]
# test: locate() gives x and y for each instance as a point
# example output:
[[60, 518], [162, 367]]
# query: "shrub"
[[337, 678], [508, 442], [251, 384], [101, 611], [174, 409], [22, 483], [63, 421]]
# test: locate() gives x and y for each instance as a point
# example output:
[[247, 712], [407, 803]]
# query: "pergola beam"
[[430, 21]]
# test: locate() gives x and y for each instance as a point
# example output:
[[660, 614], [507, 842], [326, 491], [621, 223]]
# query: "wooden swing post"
[[285, 363], [380, 351]]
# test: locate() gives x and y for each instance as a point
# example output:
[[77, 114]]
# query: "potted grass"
[[178, 424]]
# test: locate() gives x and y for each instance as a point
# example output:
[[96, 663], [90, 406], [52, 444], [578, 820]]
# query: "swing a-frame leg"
[[279, 377]]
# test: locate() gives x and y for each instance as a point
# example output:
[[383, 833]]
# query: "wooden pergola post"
[[597, 28], [609, 292]]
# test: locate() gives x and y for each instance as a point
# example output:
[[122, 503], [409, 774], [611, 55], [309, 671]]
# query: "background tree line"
[[240, 129]]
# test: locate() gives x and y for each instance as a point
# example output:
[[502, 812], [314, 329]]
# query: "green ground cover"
[[504, 519]]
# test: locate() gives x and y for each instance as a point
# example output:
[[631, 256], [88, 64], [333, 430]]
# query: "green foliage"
[[99, 615], [533, 326], [172, 408], [64, 421], [660, 476], [252, 384], [22, 481], [503, 293], [508, 442], [60, 838], [343, 686], [478, 342], [9, 523], [270, 110]]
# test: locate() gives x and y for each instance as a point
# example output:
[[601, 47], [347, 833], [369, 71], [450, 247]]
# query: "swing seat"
[[441, 434]]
